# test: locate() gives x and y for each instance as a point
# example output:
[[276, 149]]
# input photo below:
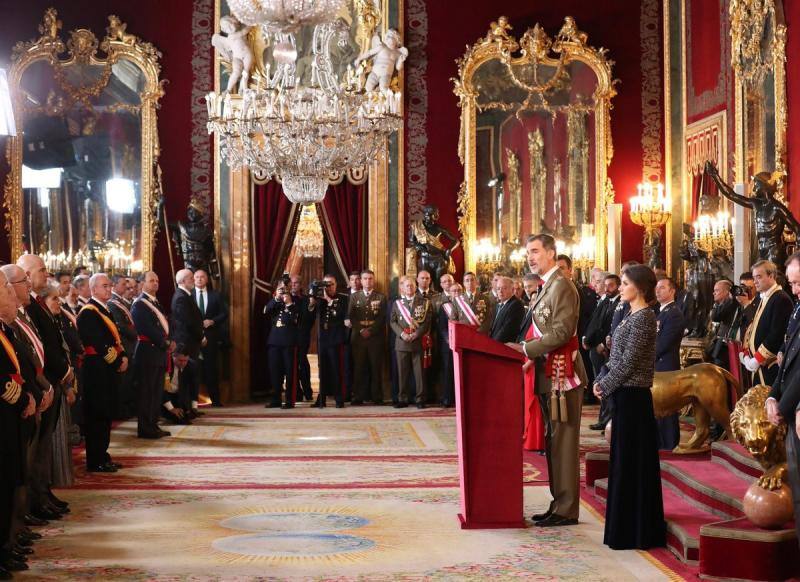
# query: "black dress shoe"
[[5, 574], [117, 466], [163, 433], [44, 513], [401, 405], [340, 405], [272, 405], [420, 405], [149, 435], [287, 406], [56, 501], [54, 509], [309, 396], [22, 550], [14, 565], [28, 537], [34, 521], [556, 520], [321, 401], [541, 516], [24, 542], [598, 426], [101, 469]]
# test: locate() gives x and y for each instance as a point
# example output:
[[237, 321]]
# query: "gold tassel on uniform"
[[562, 406], [554, 405]]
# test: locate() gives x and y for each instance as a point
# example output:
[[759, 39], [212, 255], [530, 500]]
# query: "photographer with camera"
[[282, 344], [723, 313], [331, 310]]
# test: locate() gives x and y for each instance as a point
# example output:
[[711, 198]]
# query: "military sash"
[[37, 344], [112, 327], [406, 315], [448, 309], [160, 316], [560, 368], [125, 310], [13, 388], [466, 308]]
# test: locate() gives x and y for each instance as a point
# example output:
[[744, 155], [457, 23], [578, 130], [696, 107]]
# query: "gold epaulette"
[[110, 356], [12, 392]]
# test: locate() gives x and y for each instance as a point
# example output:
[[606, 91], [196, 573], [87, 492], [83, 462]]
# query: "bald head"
[[34, 268], [185, 278]]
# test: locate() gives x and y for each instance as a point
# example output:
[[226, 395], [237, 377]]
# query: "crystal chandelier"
[[304, 134]]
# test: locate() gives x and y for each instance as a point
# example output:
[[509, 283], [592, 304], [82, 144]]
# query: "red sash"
[[533, 435]]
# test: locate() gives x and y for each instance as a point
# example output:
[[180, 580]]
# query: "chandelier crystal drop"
[[285, 15], [304, 132]]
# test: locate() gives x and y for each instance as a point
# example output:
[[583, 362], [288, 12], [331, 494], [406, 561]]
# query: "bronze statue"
[[707, 387], [771, 215], [699, 283], [195, 239], [427, 237], [764, 440]]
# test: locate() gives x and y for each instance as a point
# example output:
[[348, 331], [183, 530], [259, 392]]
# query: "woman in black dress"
[[635, 510]]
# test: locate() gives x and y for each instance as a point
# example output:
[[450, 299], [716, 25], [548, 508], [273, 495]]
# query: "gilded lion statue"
[[762, 439], [707, 388]]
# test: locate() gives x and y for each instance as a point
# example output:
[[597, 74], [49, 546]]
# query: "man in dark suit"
[[124, 406], [215, 318], [671, 324], [331, 311], [104, 359], [150, 356], [284, 316], [366, 316], [783, 403], [411, 321], [57, 371], [509, 313], [599, 326], [180, 388], [766, 334], [443, 310], [588, 303], [186, 322]]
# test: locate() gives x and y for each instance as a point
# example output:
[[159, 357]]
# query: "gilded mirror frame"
[[535, 48], [754, 54], [81, 48]]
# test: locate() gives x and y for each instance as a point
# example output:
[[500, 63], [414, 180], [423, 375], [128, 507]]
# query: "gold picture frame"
[[534, 48], [82, 48]]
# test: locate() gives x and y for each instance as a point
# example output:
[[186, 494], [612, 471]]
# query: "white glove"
[[751, 363], [742, 356]]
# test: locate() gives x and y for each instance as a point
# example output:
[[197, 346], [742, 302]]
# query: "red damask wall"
[[629, 29], [180, 30]]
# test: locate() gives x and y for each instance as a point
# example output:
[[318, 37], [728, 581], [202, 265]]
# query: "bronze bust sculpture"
[[770, 214], [428, 239]]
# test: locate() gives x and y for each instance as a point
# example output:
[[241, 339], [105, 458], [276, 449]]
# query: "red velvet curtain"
[[275, 222], [343, 214], [702, 185]]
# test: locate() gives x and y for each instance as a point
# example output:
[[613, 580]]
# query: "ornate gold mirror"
[[758, 54], [83, 186], [535, 139]]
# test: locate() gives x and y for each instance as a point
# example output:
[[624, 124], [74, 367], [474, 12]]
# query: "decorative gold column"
[[378, 228], [240, 287]]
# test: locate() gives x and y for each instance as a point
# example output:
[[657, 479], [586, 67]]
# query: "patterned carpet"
[[355, 494]]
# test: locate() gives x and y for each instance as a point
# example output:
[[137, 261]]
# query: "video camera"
[[318, 287], [739, 291]]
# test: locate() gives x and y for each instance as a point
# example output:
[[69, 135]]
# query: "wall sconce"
[[651, 208]]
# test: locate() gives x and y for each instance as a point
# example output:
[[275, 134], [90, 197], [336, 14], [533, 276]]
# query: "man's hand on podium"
[[527, 365]]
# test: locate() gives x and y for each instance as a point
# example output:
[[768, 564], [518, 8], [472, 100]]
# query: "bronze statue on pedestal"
[[194, 237], [770, 214], [428, 238]]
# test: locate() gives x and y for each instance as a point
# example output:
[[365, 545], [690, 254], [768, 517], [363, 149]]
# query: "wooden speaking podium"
[[489, 414]]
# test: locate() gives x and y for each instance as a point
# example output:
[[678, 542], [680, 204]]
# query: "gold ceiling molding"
[[534, 48], [81, 49]]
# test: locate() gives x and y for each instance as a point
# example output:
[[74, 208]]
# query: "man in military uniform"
[[411, 321], [121, 313], [472, 307], [765, 336], [150, 358], [366, 314], [303, 337], [670, 325], [441, 311], [430, 348], [104, 359], [331, 311], [284, 316], [58, 372]]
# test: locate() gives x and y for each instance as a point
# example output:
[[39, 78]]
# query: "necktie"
[[202, 302]]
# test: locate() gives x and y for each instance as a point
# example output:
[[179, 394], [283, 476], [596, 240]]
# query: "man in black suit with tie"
[[509, 313], [215, 317], [186, 322], [150, 357], [783, 403], [671, 324]]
